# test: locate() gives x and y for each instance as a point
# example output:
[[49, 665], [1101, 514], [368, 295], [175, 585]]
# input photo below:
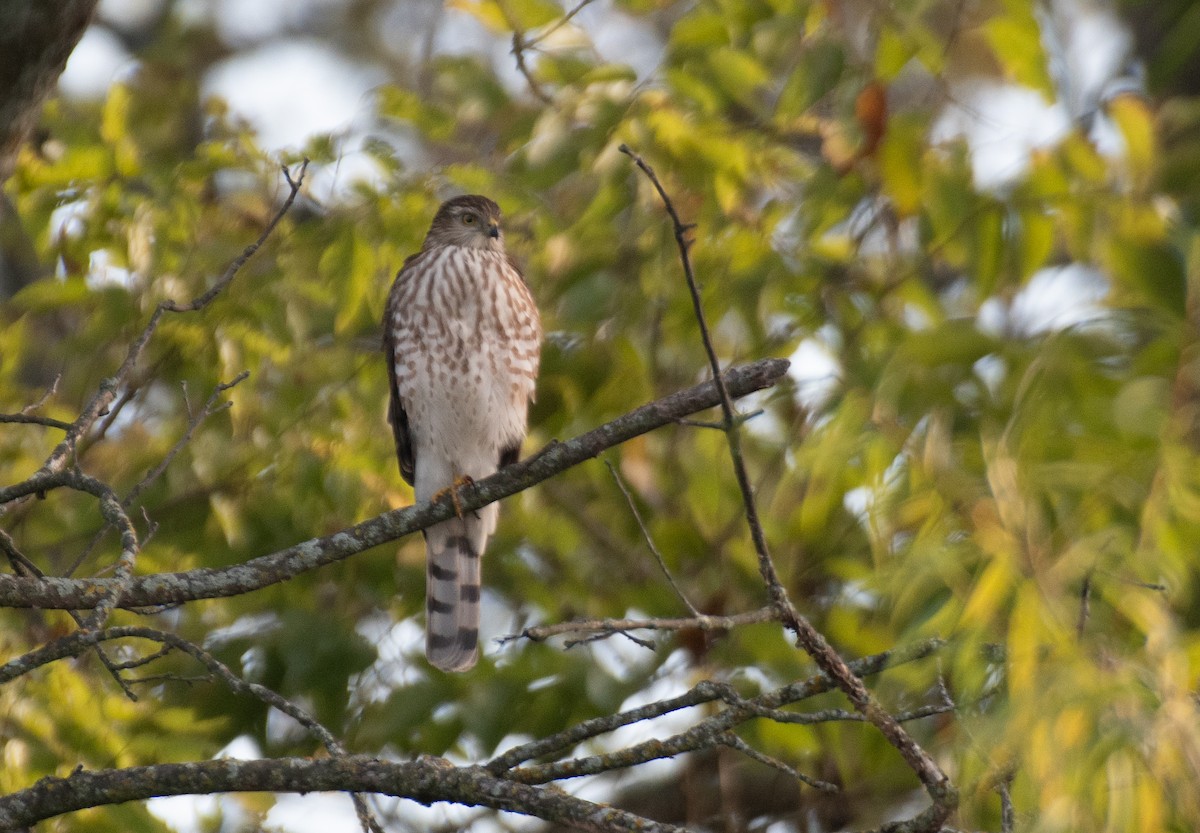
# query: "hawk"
[[462, 337]]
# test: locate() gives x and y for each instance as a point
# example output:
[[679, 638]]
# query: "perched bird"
[[462, 337]]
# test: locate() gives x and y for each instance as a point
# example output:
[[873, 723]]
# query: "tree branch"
[[427, 780], [709, 732], [706, 691], [207, 583], [610, 627]]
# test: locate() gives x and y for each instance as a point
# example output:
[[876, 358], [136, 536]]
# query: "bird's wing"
[[396, 414]]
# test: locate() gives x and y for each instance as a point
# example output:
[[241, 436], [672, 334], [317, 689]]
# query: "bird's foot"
[[452, 491]]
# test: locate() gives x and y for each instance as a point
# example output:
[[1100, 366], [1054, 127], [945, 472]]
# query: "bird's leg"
[[452, 490]]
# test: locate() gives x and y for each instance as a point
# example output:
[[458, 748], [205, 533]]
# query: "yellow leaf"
[[1136, 124], [1016, 40], [900, 158], [1025, 641], [991, 593]]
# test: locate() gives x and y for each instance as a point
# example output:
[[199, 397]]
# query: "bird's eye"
[[469, 219]]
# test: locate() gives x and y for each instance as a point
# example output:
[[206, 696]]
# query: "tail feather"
[[454, 550]]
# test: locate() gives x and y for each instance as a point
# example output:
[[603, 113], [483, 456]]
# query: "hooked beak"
[[494, 230]]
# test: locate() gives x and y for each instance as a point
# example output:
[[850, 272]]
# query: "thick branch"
[[206, 583], [427, 781]]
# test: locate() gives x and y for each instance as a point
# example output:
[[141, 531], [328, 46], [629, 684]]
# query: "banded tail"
[[453, 556]]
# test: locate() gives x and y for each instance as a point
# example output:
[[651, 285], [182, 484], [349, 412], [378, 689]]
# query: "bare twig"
[[210, 408], [734, 742], [637, 516], [939, 787], [610, 627], [558, 24], [24, 566], [28, 419], [518, 50], [45, 397], [704, 735], [706, 691], [720, 426], [519, 45], [1085, 606]]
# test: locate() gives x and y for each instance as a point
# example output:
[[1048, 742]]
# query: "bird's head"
[[471, 221]]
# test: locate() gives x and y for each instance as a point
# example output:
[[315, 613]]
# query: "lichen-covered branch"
[[427, 781], [173, 588]]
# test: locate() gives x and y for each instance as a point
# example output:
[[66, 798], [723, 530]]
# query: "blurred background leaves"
[[990, 433]]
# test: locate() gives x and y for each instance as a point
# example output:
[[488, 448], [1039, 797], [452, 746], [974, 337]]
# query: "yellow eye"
[[469, 219]]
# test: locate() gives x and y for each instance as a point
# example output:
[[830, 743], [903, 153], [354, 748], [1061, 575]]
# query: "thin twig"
[[720, 426], [235, 266], [210, 408], [1008, 814], [558, 24], [28, 419], [734, 742], [706, 733], [706, 691], [609, 627], [45, 397], [637, 516], [519, 45], [936, 783], [1085, 606], [22, 565]]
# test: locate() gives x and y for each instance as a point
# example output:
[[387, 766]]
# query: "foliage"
[[963, 468]]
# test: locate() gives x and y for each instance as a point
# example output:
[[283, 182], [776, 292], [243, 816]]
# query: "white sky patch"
[[1059, 297], [129, 13], [619, 657], [1089, 50], [103, 272], [815, 371], [620, 38], [188, 813], [97, 61], [460, 33], [991, 370], [1054, 299], [1003, 124], [857, 502], [69, 219], [397, 646], [294, 89], [239, 22], [313, 813]]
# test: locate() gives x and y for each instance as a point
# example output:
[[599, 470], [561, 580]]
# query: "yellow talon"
[[452, 491]]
